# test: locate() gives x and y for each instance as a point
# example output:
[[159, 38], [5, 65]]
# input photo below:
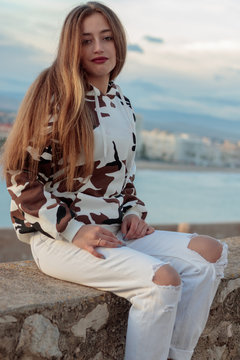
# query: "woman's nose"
[[98, 48]]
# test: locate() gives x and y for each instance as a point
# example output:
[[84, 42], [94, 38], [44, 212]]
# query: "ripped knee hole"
[[206, 246], [166, 275]]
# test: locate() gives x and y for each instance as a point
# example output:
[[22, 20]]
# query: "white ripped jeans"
[[164, 321]]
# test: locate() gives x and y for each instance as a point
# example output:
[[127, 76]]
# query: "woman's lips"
[[99, 60]]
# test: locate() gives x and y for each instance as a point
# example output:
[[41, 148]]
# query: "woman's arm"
[[34, 208]]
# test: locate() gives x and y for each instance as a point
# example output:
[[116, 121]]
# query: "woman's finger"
[[93, 252], [142, 231], [132, 228], [106, 232], [109, 244], [100, 241], [150, 230], [124, 228]]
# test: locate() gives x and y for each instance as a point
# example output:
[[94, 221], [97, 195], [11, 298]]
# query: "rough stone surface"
[[39, 337], [95, 320], [26, 292], [99, 356], [35, 307], [220, 339], [7, 319]]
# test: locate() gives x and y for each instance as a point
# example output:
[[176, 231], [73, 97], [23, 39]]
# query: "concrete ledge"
[[44, 318]]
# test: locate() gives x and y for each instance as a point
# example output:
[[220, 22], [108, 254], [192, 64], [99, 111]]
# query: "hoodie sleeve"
[[34, 208], [132, 205]]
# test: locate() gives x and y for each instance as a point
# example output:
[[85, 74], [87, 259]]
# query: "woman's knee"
[[208, 247], [166, 275]]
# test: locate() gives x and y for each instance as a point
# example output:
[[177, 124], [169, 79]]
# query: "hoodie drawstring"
[[101, 121]]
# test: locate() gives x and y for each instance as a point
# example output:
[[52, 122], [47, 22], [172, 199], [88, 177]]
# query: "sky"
[[183, 55]]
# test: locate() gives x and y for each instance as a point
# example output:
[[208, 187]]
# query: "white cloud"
[[214, 46], [200, 54]]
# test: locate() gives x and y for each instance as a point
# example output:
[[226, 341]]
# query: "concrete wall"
[[44, 318]]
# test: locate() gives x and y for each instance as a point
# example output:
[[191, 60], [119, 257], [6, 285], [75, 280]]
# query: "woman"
[[69, 164]]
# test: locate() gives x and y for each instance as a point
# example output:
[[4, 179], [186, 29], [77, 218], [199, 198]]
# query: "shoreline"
[[157, 165]]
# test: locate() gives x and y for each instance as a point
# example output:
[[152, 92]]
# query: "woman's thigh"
[[170, 247], [124, 271], [162, 243]]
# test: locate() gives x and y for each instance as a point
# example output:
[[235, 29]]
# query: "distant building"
[[187, 149], [158, 145]]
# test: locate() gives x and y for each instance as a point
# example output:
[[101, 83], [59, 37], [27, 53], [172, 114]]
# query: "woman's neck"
[[100, 83]]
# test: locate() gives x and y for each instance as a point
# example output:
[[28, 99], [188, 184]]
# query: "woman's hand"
[[89, 237], [134, 228]]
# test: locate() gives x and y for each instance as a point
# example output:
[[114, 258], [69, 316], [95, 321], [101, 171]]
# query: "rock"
[[7, 319], [231, 286], [8, 330], [39, 337], [95, 320], [216, 352], [99, 356]]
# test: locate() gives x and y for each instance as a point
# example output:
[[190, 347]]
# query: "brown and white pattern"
[[45, 206]]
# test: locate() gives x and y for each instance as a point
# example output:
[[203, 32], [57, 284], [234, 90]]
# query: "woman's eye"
[[86, 41], [108, 38]]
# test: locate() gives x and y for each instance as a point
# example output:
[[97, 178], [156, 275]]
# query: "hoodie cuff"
[[133, 212], [71, 229]]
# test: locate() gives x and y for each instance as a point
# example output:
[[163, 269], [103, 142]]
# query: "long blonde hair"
[[58, 96]]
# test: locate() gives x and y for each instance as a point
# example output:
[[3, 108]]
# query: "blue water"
[[5, 220], [184, 196], [176, 196]]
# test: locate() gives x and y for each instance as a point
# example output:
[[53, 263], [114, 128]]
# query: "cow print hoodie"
[[45, 206]]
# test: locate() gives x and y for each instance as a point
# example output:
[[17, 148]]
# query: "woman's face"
[[98, 49]]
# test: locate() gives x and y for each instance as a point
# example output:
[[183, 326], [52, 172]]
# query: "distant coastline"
[[158, 165]]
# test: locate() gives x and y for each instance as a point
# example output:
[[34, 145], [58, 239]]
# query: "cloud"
[[17, 50], [214, 46], [141, 91], [235, 71], [135, 48], [152, 39], [161, 89], [14, 84], [20, 64], [143, 86], [214, 100], [199, 60]]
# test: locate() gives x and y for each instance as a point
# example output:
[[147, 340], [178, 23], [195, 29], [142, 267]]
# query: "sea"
[[173, 197]]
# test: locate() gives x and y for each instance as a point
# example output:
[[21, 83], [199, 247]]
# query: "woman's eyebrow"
[[101, 32]]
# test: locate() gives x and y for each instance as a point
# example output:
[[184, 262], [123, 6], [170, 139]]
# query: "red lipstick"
[[100, 60]]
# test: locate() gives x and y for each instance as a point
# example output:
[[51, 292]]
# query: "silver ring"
[[99, 240]]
